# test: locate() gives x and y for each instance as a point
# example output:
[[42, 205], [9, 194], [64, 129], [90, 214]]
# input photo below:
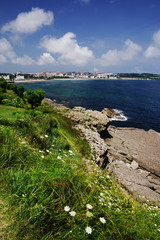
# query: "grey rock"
[[134, 165]]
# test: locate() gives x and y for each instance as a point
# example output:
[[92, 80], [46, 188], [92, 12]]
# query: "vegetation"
[[48, 192], [139, 76], [34, 97]]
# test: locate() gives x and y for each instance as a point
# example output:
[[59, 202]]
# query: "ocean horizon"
[[137, 100]]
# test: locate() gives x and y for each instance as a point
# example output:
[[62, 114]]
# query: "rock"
[[143, 172], [139, 145], [134, 165], [128, 165], [109, 112], [138, 185]]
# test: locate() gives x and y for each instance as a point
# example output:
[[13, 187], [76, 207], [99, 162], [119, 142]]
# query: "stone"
[[134, 165], [128, 165]]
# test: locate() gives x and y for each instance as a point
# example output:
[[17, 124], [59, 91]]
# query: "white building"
[[19, 77]]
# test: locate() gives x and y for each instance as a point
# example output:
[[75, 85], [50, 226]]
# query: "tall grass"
[[53, 195]]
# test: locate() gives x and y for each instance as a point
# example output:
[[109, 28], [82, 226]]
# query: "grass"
[[9, 112], [42, 172]]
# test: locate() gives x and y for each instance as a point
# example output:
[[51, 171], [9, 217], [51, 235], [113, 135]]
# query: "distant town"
[[19, 76]]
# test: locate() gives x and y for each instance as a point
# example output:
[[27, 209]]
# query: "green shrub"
[[3, 84]]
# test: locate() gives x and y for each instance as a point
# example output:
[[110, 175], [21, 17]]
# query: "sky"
[[80, 35]]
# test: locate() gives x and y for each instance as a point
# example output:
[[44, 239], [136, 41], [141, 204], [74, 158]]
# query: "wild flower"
[[88, 230], [89, 206], [101, 194], [89, 214], [107, 176], [102, 220], [47, 150], [40, 151], [66, 208], [59, 157], [42, 156], [72, 213], [46, 136]]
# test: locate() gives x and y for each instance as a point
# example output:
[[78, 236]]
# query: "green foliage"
[[15, 102], [34, 97], [3, 85], [139, 76], [20, 91], [12, 86], [1, 97]]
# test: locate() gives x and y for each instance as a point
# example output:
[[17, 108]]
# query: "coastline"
[[78, 79], [120, 150]]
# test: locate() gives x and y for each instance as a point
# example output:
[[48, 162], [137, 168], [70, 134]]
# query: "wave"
[[119, 116]]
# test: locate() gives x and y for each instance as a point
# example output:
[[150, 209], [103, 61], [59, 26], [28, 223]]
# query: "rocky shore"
[[132, 155]]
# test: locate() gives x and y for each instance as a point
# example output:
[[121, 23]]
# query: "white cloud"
[[117, 57], [68, 48], [29, 22], [6, 50], [154, 49], [46, 58], [2, 59], [25, 60]]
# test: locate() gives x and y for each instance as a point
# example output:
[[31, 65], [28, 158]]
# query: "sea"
[[137, 100]]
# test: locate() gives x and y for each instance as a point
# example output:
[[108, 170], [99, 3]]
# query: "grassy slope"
[[42, 171]]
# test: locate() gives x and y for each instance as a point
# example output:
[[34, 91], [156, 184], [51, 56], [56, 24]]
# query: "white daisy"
[[88, 230], [66, 209], [102, 220], [89, 206], [72, 213]]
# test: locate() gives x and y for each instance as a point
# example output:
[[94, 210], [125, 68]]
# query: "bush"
[[34, 97], [1, 98], [20, 91], [3, 84], [15, 102], [12, 86]]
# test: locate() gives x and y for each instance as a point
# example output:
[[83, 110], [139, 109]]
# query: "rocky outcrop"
[[136, 144], [134, 158], [133, 155], [90, 123]]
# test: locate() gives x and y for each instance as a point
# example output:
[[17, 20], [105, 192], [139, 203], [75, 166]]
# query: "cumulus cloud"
[[68, 48], [29, 22], [45, 59], [6, 50], [154, 49], [116, 57], [2, 59], [25, 60]]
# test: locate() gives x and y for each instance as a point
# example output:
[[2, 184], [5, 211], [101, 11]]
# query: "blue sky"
[[80, 35]]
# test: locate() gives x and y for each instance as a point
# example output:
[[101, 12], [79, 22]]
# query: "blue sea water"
[[139, 100]]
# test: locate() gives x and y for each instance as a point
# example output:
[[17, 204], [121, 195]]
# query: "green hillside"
[[49, 187]]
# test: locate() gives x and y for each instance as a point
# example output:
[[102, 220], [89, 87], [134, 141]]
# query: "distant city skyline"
[[80, 35]]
